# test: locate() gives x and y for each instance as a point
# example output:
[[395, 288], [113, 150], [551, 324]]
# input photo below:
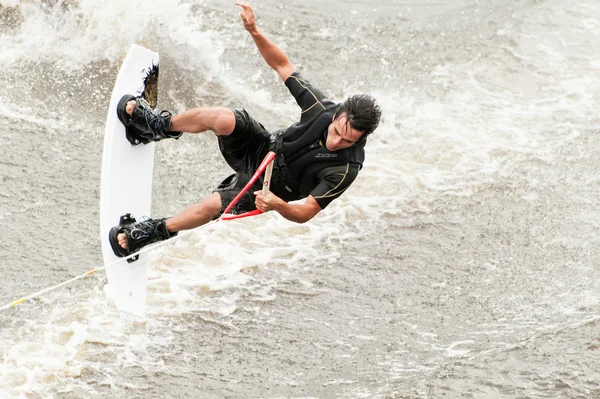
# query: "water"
[[462, 262]]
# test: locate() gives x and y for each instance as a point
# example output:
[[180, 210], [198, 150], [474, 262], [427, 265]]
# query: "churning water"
[[462, 263]]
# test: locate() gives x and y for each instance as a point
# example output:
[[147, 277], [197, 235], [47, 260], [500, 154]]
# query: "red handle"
[[268, 159]]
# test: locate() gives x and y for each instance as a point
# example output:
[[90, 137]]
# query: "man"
[[317, 158]]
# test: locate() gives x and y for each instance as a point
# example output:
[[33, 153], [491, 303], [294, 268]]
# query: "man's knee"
[[223, 122], [214, 203]]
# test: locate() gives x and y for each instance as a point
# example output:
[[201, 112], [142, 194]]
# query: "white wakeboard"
[[127, 180]]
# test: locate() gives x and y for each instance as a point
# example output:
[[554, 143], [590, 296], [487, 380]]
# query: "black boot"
[[138, 234], [145, 124]]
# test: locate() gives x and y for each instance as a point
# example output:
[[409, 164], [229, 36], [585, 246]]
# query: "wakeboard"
[[126, 182]]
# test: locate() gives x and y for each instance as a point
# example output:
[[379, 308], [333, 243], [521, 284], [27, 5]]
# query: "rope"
[[267, 162], [96, 270]]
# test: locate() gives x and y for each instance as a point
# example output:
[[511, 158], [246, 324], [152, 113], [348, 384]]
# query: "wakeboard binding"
[[144, 125], [138, 235]]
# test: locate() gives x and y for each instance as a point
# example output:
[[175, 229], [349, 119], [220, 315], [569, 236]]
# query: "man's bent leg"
[[196, 120], [194, 216], [220, 120], [197, 214]]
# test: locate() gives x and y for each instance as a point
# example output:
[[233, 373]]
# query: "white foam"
[[462, 130]]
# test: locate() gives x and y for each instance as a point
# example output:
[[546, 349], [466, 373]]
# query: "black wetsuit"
[[312, 168], [304, 166]]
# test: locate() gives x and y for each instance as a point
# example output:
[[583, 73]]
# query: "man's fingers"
[[247, 9]]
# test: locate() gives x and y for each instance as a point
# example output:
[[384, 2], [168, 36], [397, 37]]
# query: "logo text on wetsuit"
[[326, 155]]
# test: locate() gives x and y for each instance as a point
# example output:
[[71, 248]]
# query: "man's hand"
[[247, 17], [266, 203], [269, 51]]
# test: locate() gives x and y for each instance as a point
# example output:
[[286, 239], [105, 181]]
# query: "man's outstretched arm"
[[299, 213], [272, 54]]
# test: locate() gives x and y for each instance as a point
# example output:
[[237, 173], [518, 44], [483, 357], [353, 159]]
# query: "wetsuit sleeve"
[[333, 181], [309, 98]]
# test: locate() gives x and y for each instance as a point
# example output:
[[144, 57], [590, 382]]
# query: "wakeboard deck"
[[126, 183]]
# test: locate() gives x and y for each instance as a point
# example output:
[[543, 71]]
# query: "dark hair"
[[362, 113]]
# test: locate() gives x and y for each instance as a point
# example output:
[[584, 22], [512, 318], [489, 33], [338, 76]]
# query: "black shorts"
[[244, 149]]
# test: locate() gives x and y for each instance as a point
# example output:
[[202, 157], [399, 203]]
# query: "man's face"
[[340, 135]]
